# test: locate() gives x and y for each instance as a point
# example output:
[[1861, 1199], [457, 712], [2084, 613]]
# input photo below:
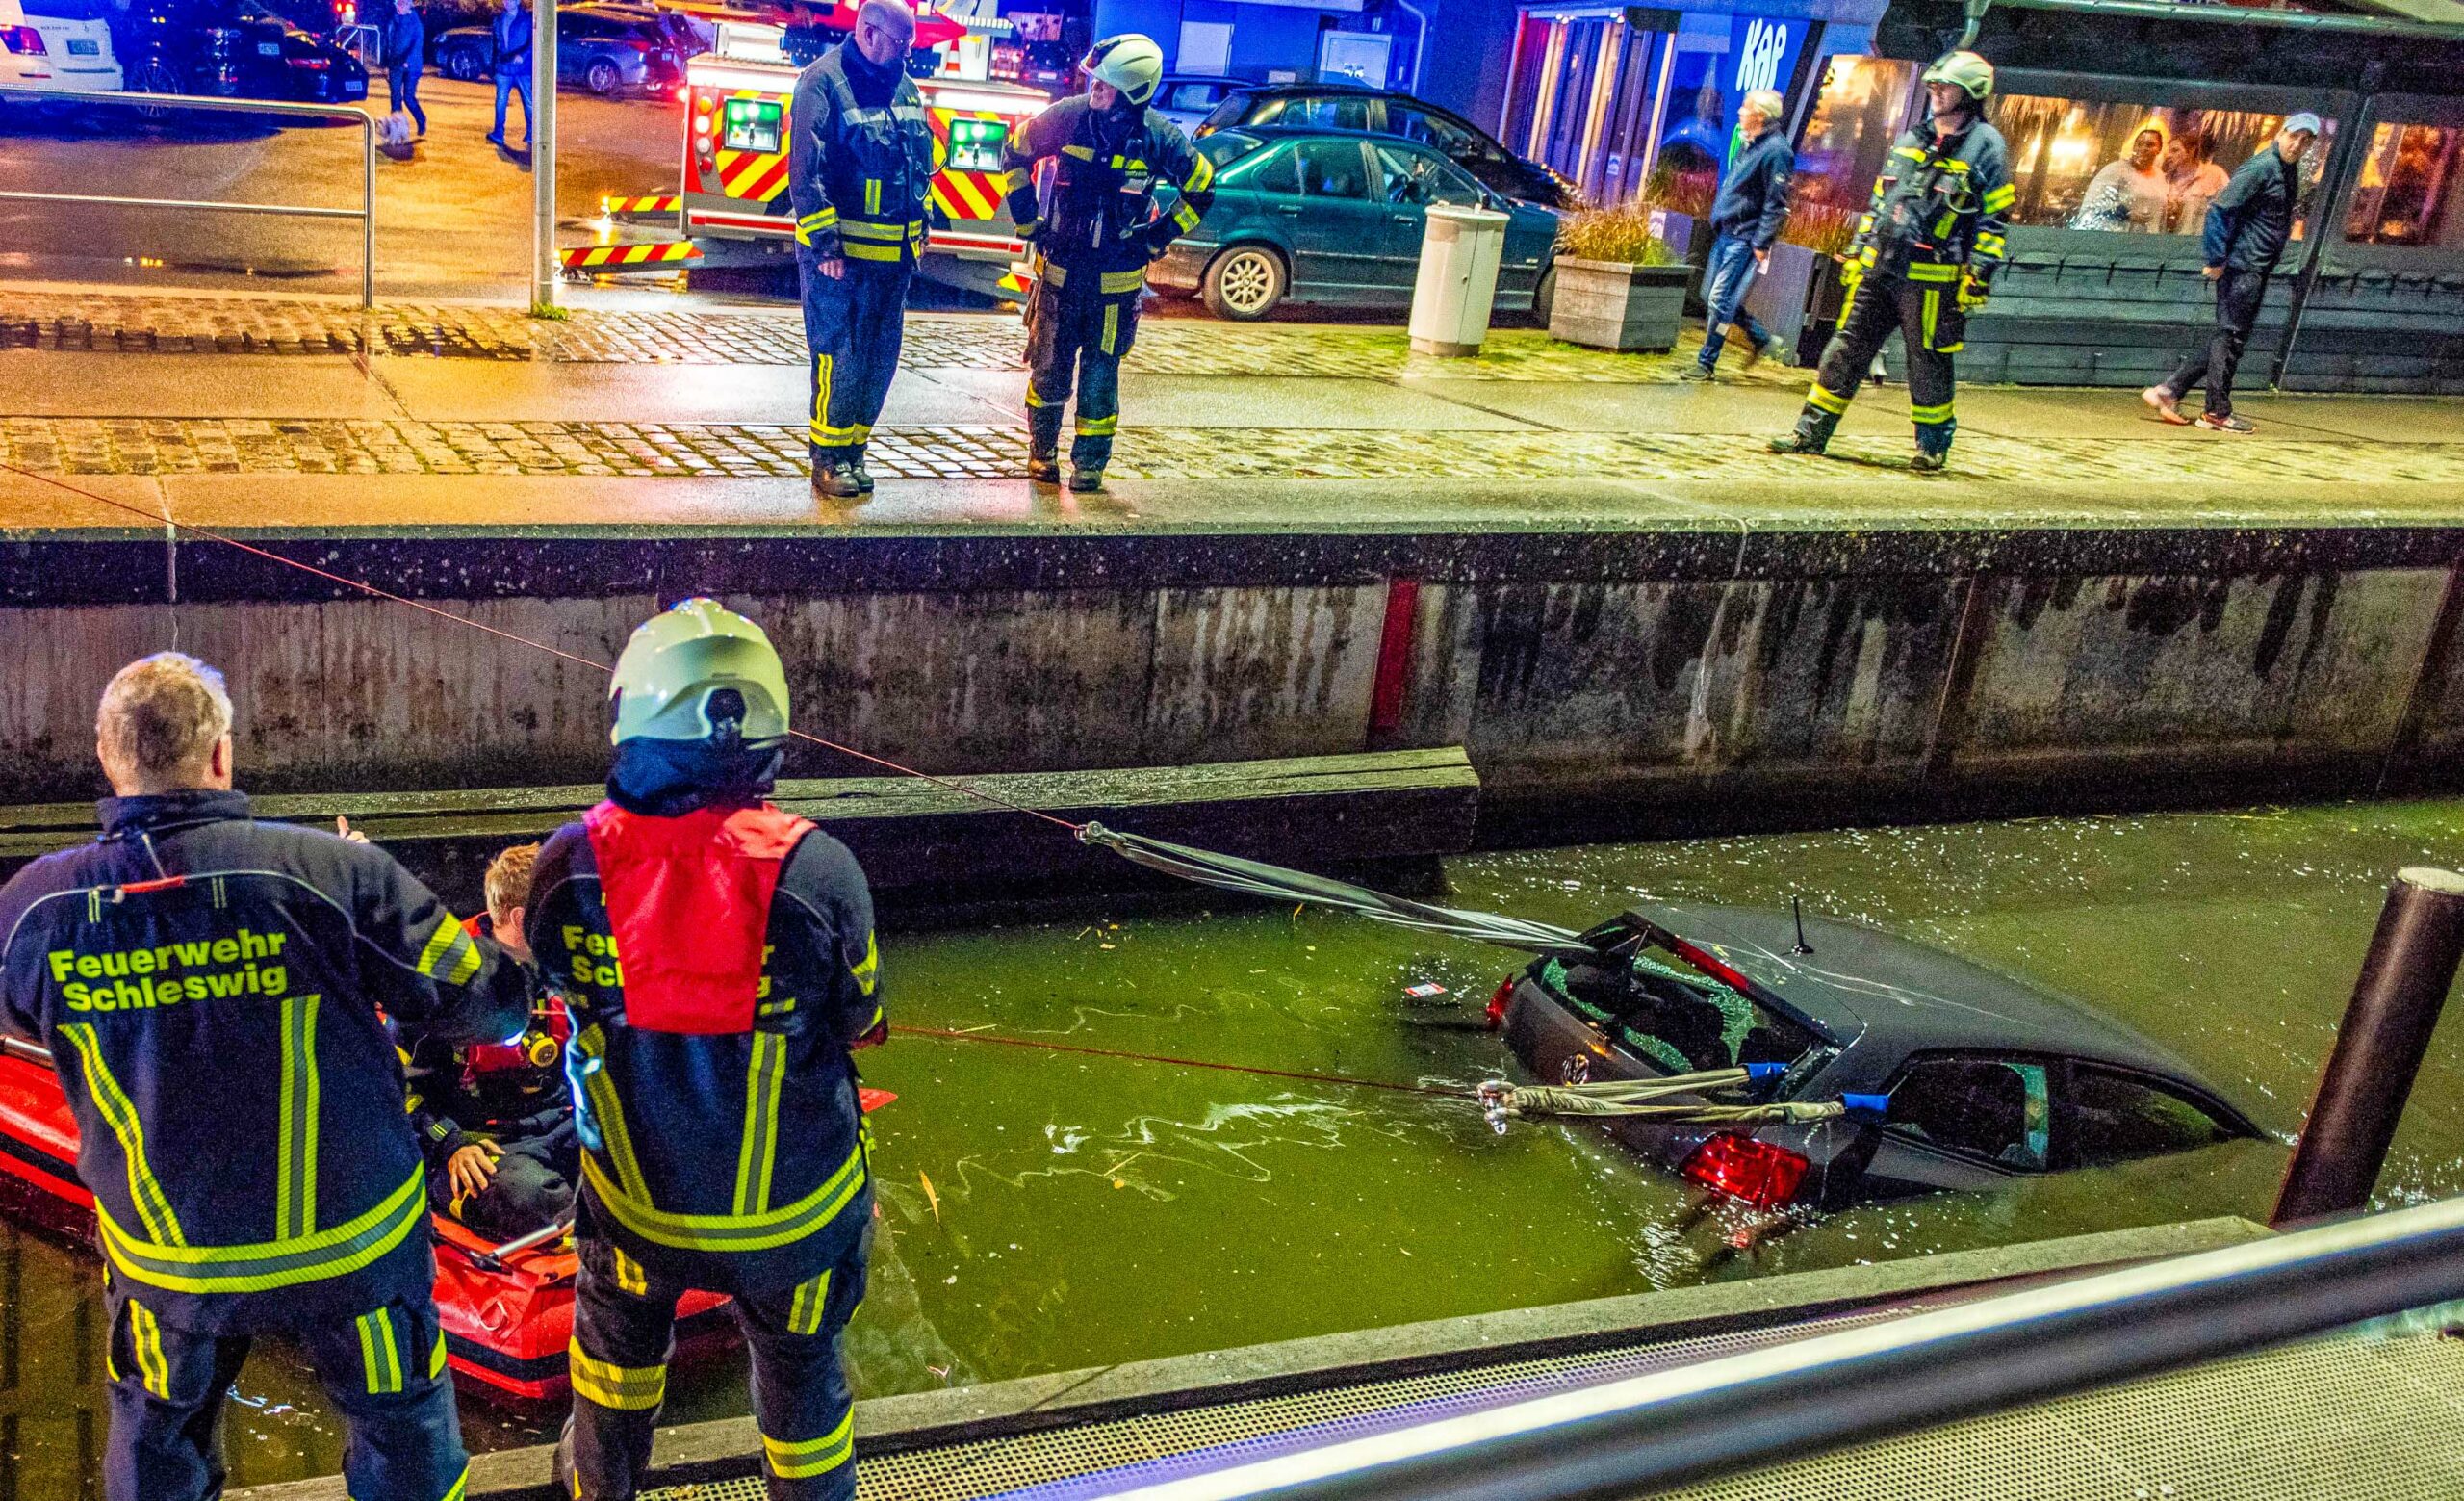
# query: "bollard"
[[2379, 1049]]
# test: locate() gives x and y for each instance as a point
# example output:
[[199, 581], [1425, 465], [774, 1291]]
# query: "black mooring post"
[[2386, 1029]]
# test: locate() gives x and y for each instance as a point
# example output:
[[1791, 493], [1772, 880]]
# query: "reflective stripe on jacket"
[[1939, 206], [210, 989], [1097, 226]]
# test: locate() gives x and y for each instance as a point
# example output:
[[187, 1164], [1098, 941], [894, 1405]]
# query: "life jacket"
[[880, 170], [688, 903]]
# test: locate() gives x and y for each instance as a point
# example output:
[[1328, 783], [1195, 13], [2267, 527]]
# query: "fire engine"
[[736, 135]]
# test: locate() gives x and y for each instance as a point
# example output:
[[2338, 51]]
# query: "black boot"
[[1083, 480], [863, 477], [1043, 468], [837, 481], [1814, 427]]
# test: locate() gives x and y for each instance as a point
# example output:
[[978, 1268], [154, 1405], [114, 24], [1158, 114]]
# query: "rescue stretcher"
[[507, 1310]]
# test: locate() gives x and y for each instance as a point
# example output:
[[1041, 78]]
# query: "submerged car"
[[1336, 218], [1988, 1079]]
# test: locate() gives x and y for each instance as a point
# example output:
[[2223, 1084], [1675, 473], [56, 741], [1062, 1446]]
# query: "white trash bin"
[[1458, 280]]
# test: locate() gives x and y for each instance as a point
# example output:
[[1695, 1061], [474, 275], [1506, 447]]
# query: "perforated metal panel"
[[2342, 1419]]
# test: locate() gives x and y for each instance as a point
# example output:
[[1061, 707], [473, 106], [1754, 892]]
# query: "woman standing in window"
[[2128, 195]]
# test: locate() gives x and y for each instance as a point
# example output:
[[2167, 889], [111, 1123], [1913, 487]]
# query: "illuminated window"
[[2130, 166], [2406, 189], [1858, 115]]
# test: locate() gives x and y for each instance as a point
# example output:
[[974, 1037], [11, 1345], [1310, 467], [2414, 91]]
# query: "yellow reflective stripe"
[[1926, 270], [1112, 331], [1016, 177], [821, 373], [1098, 427], [819, 219], [869, 252], [1933, 311], [868, 972], [295, 1171], [804, 1310], [2000, 198], [436, 1368], [1823, 401], [378, 1352], [145, 1339], [591, 1044], [1082, 153], [872, 195], [1993, 245], [1185, 217], [1118, 281], [874, 230], [627, 1388], [775, 1008], [449, 956], [461, 1482], [1201, 174], [802, 1459], [266, 1265], [730, 1231], [630, 1276], [758, 1153], [1930, 414], [144, 1190], [1910, 152]]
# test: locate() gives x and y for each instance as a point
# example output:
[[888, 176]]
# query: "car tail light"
[[1747, 1169], [312, 64], [1724, 974], [1498, 1003], [23, 40], [345, 14]]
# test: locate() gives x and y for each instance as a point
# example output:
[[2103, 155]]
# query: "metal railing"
[[366, 213], [1633, 1436]]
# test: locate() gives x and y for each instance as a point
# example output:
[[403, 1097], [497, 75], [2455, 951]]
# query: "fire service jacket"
[[1097, 220], [712, 1014], [210, 989]]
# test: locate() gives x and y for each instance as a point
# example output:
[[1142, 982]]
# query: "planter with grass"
[[1618, 285]]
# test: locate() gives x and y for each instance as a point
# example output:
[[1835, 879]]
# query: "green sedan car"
[[1335, 218]]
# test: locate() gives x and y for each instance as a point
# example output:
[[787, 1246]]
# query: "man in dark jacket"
[[717, 957], [405, 49], [210, 987], [2248, 227], [860, 176], [513, 31], [1745, 219]]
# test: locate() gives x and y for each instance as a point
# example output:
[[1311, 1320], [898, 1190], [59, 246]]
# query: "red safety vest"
[[688, 904]]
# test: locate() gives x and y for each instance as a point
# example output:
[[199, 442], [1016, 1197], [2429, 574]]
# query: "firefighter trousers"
[[1082, 337], [384, 1370], [1931, 323], [625, 1334], [852, 326]]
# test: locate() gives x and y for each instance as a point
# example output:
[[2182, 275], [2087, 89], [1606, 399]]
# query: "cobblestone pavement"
[[143, 446], [1182, 345]]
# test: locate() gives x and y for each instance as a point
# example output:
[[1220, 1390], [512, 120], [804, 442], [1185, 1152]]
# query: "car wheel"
[[463, 63], [1245, 283], [154, 77], [603, 77], [1544, 296]]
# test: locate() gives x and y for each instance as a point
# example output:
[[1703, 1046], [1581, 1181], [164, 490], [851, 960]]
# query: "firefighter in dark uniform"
[[860, 173], [717, 956], [1094, 229], [1923, 262], [209, 987]]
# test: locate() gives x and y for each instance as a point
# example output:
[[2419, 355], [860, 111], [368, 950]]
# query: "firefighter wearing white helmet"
[[1096, 224], [717, 955], [1922, 261]]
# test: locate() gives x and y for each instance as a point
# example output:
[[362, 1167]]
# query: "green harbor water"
[[1044, 1211]]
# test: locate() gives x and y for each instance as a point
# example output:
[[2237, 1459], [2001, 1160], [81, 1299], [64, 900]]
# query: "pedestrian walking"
[[404, 55], [223, 999], [1746, 218], [513, 32], [860, 173], [1094, 229], [717, 957], [1923, 259], [2248, 225]]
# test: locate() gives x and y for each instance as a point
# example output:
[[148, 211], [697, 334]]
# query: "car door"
[[1963, 1121], [1338, 226]]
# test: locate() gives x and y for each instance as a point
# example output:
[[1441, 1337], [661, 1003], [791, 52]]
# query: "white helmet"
[[1129, 61]]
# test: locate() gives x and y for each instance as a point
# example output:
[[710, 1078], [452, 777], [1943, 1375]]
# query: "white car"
[[52, 45]]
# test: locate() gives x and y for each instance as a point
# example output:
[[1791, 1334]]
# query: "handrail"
[[1633, 1436], [366, 213]]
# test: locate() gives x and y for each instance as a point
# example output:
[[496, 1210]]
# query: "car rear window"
[[1230, 111], [1663, 1009]]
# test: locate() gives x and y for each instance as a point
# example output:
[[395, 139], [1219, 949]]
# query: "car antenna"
[[1797, 905]]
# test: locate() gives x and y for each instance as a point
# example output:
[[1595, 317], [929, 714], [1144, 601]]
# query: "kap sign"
[[1758, 54]]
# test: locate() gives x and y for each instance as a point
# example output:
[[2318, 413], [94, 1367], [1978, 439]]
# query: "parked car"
[[1983, 1079], [1187, 99], [49, 46], [1336, 216], [233, 49], [1335, 106], [606, 47]]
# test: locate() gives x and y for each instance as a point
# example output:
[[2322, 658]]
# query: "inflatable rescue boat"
[[507, 1310]]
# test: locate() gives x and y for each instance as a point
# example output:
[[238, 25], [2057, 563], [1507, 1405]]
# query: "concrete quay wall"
[[1713, 676]]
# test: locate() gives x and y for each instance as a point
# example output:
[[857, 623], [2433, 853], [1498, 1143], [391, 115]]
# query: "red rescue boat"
[[507, 1310]]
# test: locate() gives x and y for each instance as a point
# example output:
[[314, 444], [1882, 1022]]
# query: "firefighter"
[[1922, 261], [1094, 229], [717, 956], [209, 987], [859, 172]]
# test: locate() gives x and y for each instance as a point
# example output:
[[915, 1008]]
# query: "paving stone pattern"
[[143, 445]]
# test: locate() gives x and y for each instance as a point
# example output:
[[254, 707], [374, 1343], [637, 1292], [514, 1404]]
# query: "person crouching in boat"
[[496, 1120], [717, 956]]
